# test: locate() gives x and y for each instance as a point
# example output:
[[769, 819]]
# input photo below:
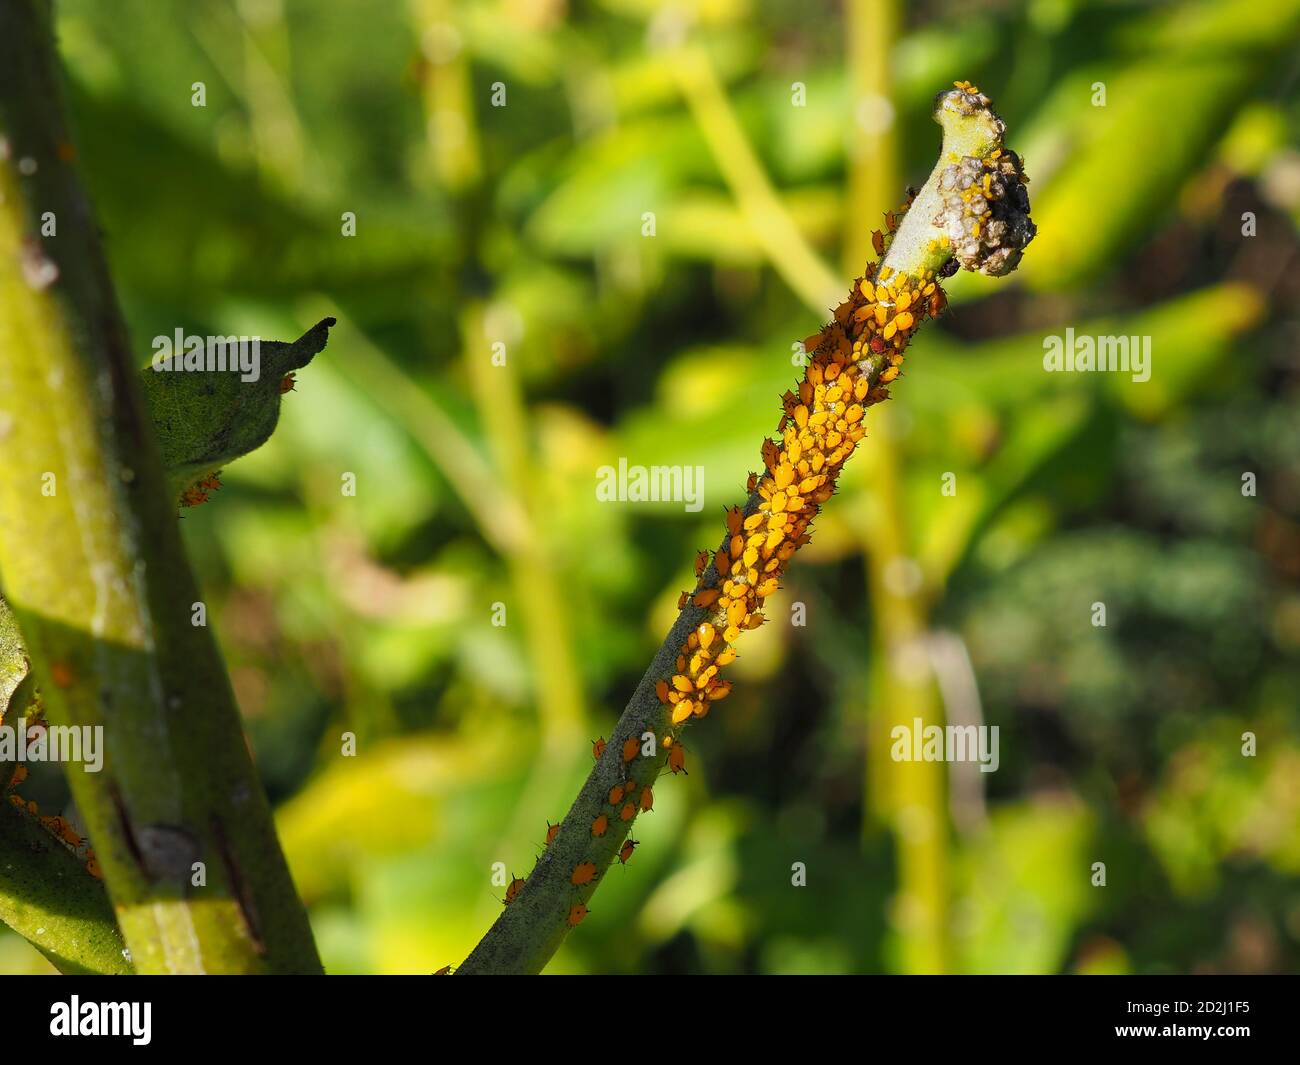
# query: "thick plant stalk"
[[95, 571], [972, 212]]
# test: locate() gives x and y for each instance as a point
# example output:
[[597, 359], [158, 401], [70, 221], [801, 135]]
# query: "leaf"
[[205, 419], [14, 665]]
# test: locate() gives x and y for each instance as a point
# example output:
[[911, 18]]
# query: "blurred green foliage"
[[524, 224]]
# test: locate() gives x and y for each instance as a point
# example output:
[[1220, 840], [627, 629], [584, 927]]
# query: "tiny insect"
[[647, 799], [512, 892], [551, 832], [598, 748], [444, 971], [615, 795], [677, 759], [625, 851], [287, 384], [600, 825], [701, 561], [577, 914], [630, 748], [583, 873]]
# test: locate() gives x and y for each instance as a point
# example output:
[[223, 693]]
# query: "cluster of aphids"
[[57, 826], [851, 363], [200, 491]]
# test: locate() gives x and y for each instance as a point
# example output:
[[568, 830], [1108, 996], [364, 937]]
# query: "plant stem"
[[852, 359], [96, 574]]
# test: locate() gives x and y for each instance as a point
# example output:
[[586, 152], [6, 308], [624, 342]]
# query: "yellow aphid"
[[683, 710], [583, 873], [706, 635], [719, 691], [904, 320], [683, 684], [599, 826]]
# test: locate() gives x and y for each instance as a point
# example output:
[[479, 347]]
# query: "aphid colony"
[[852, 361], [199, 491], [58, 827]]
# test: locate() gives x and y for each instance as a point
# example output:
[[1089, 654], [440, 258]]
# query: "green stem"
[[95, 571]]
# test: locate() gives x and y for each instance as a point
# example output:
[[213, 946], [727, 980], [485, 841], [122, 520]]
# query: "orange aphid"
[[625, 851], [647, 799], [707, 597], [681, 600], [551, 832], [599, 826], [630, 748], [516, 886], [92, 867], [583, 873], [444, 971], [628, 812], [577, 914], [677, 759], [701, 560], [615, 795], [598, 748], [287, 383], [661, 690]]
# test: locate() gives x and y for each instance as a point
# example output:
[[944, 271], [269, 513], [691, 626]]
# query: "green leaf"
[[205, 419]]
